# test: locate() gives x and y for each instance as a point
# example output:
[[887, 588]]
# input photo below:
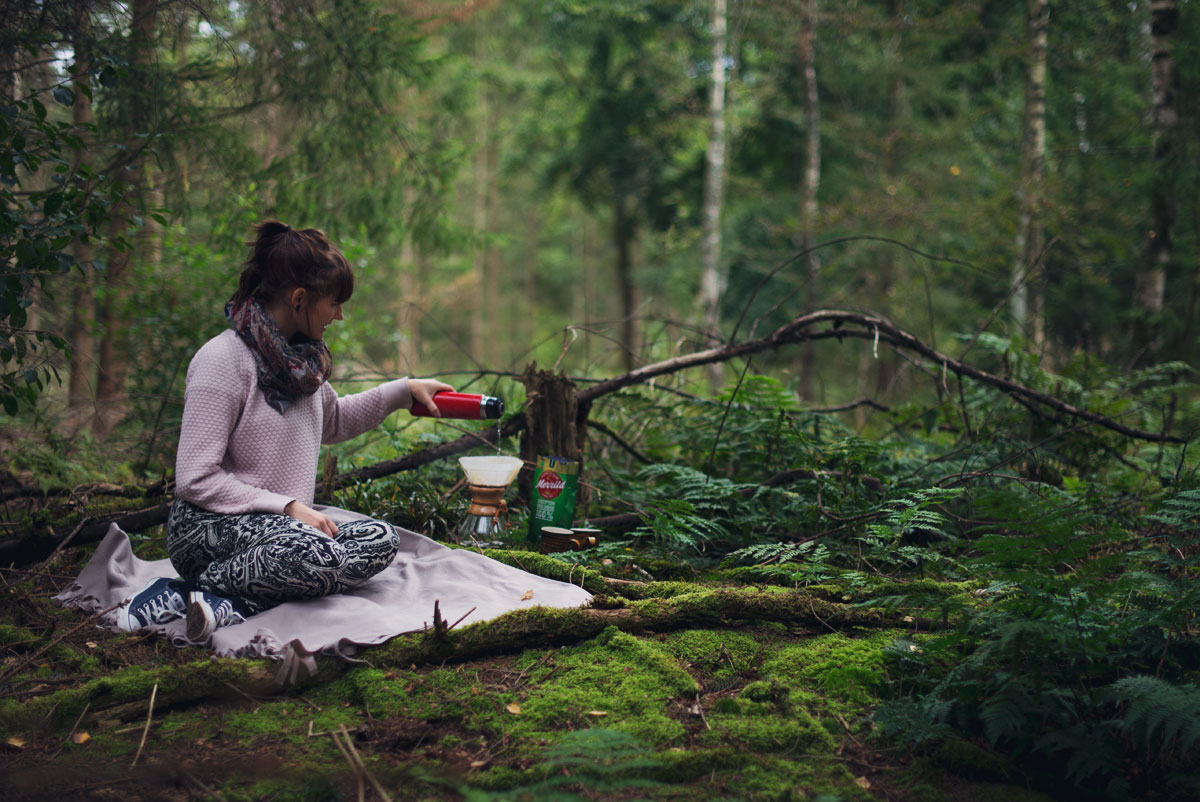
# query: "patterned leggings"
[[263, 559]]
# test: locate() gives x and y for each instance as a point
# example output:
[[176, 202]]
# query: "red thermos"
[[468, 406]]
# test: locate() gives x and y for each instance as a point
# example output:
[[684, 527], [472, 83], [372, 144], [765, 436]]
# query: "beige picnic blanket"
[[397, 600]]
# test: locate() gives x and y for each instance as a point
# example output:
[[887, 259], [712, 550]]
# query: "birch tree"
[[711, 279], [1027, 273], [1151, 279]]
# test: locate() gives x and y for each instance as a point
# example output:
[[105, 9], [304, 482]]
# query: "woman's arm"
[[351, 415]]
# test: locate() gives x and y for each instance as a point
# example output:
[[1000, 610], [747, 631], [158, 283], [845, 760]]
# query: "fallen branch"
[[34, 548], [722, 607]]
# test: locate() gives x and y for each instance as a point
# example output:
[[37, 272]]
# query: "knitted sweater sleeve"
[[351, 415]]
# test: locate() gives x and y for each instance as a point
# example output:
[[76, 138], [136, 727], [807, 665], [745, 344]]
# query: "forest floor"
[[749, 711]]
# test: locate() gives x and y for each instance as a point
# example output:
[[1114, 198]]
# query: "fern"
[[764, 553], [588, 761], [1160, 717]]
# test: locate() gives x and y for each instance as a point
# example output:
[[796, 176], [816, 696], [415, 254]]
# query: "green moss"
[[543, 565], [721, 654], [848, 670], [631, 681], [762, 731]]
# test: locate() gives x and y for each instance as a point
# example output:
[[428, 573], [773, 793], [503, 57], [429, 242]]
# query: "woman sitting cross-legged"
[[242, 532]]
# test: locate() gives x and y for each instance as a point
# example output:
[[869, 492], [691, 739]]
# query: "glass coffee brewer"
[[488, 478]]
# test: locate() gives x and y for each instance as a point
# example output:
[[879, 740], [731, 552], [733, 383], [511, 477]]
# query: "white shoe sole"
[[200, 621]]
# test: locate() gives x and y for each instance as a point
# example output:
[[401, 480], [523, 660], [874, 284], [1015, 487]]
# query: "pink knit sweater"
[[238, 455]]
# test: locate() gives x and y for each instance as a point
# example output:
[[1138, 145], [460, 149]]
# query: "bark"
[[809, 186], [554, 422], [479, 211], [114, 346], [409, 306], [79, 389], [624, 232], [1027, 273], [711, 278], [1150, 282]]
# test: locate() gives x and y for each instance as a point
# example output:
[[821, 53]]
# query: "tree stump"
[[554, 424]]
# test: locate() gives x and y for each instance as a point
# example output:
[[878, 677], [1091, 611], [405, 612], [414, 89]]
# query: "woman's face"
[[317, 316]]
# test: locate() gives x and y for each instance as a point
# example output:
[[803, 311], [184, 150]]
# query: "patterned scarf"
[[286, 370]]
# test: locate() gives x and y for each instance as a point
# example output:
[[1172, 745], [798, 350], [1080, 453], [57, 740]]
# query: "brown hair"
[[283, 258]]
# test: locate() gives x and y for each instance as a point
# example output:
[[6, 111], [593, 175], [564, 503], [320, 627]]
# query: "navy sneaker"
[[206, 612], [157, 603]]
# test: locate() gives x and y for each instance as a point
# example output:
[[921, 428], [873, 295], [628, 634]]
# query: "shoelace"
[[159, 608], [225, 615]]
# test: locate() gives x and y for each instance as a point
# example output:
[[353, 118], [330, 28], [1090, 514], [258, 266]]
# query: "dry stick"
[[146, 730], [62, 544], [459, 621], [203, 786], [75, 726], [337, 741], [20, 666], [362, 766]]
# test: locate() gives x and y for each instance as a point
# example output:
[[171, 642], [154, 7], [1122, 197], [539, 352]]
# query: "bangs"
[[341, 280]]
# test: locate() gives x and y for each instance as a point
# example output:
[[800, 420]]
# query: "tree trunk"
[[810, 185], [114, 345], [79, 389], [711, 278], [554, 423], [410, 304], [1151, 279], [1028, 276], [624, 232], [479, 212]]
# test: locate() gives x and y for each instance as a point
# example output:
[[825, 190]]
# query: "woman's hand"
[[422, 390], [307, 515]]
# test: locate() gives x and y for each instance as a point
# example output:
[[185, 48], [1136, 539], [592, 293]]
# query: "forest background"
[[595, 186]]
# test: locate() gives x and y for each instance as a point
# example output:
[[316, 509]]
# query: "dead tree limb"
[[819, 325], [39, 547]]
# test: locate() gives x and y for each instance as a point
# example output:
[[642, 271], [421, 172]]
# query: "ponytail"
[[283, 258]]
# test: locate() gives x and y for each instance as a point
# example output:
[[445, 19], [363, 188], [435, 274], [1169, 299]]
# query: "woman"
[[242, 532]]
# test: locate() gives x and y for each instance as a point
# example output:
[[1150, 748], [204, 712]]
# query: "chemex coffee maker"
[[488, 478]]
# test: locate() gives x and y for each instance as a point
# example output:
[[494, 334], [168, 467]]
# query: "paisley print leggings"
[[263, 559]]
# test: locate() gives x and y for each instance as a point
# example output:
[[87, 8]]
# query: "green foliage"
[[39, 219], [1056, 666], [582, 763]]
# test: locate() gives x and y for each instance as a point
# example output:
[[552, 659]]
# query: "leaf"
[[16, 742], [514, 708], [527, 595], [598, 713], [80, 738], [862, 782], [63, 95]]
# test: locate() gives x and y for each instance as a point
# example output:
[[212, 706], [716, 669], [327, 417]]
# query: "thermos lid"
[[492, 407]]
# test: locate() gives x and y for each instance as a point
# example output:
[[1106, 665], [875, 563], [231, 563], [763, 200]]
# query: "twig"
[[62, 544], [146, 730], [75, 726], [337, 741], [362, 766], [459, 621], [203, 786]]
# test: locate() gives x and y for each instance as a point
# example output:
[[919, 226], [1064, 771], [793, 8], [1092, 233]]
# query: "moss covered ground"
[[753, 710]]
